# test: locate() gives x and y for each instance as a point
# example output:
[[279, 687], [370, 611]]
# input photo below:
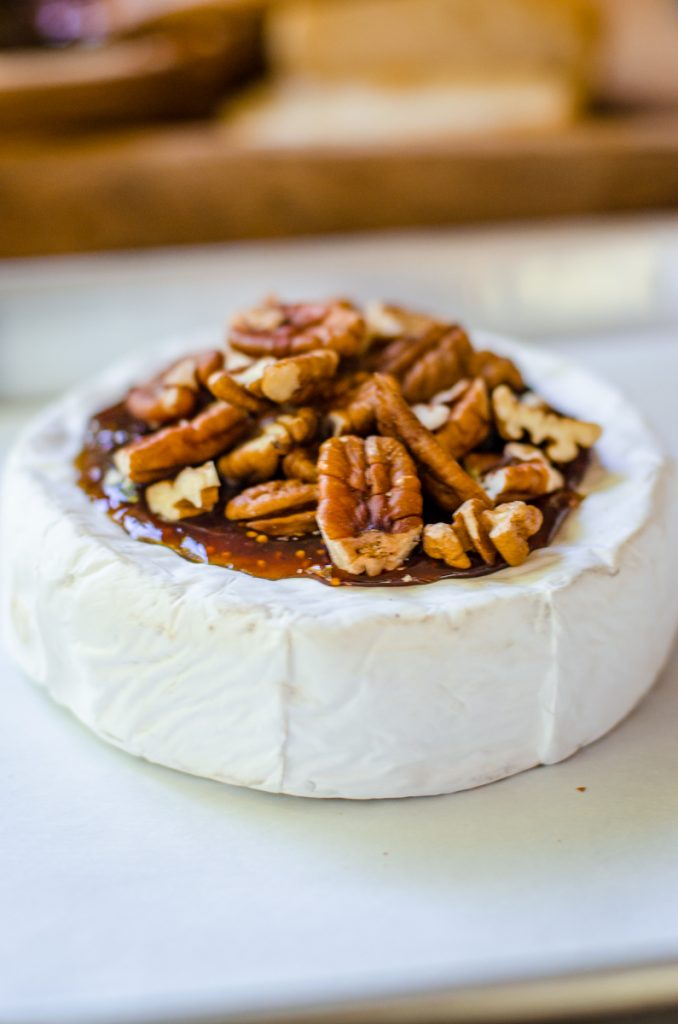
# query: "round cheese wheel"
[[294, 687]]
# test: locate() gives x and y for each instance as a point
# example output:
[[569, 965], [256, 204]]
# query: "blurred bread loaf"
[[414, 38], [360, 70]]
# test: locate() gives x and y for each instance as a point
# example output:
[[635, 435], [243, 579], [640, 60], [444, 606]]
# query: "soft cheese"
[[294, 687]]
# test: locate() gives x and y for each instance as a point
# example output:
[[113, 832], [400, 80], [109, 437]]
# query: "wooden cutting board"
[[186, 184]]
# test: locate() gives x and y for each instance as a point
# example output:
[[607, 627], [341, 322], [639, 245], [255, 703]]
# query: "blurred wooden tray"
[[186, 183], [171, 67]]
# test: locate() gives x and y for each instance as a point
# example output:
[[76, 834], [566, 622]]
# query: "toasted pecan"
[[396, 419], [298, 379], [495, 370], [426, 363], [224, 386], [370, 504], [278, 508], [189, 443], [281, 330], [528, 475], [193, 491], [510, 527], [386, 321], [301, 464], [469, 421], [505, 530], [516, 416], [258, 458], [358, 414], [173, 394]]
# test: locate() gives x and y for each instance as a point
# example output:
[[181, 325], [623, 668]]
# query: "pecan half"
[[442, 542], [225, 387], [428, 363], [445, 362], [370, 504], [298, 379], [451, 483], [469, 525], [174, 393], [468, 423], [278, 508], [189, 443], [516, 416], [280, 330], [495, 370], [529, 475], [259, 458], [192, 492], [505, 530], [358, 415], [299, 464], [510, 527], [292, 524], [386, 322], [477, 464], [434, 414]]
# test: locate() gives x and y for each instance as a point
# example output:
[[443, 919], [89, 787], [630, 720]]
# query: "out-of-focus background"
[[129, 123]]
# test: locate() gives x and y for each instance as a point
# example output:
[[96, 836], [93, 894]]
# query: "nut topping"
[[441, 365], [281, 330], [386, 322], [174, 394], [295, 524], [259, 458], [428, 363], [261, 507], [530, 476], [192, 492], [511, 526], [426, 355], [477, 464], [468, 423], [451, 483], [370, 504], [495, 370], [192, 442], [297, 379], [317, 417], [358, 415], [442, 541], [299, 465], [505, 529], [225, 387], [515, 416]]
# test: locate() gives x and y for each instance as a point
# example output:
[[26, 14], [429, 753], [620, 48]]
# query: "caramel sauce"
[[214, 539]]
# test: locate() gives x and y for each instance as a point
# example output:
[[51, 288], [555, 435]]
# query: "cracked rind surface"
[[292, 687]]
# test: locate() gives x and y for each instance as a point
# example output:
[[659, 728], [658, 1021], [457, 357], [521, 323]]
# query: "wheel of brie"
[[346, 555]]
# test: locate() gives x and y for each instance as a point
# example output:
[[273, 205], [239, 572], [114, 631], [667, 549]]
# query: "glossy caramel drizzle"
[[214, 539]]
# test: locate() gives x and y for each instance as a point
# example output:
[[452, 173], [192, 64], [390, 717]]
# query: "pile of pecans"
[[323, 417]]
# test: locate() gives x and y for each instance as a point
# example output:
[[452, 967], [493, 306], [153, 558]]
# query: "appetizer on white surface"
[[480, 617]]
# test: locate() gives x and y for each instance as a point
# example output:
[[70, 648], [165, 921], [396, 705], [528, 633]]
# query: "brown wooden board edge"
[[186, 184]]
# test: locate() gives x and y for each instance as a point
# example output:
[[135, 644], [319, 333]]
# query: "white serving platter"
[[131, 893]]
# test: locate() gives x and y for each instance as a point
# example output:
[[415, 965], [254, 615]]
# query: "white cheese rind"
[[294, 687]]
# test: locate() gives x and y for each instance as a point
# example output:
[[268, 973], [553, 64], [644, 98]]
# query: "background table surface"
[[129, 892]]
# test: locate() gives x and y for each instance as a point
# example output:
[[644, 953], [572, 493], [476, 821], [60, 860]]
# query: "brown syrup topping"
[[214, 539]]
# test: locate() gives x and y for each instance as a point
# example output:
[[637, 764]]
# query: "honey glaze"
[[213, 539]]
